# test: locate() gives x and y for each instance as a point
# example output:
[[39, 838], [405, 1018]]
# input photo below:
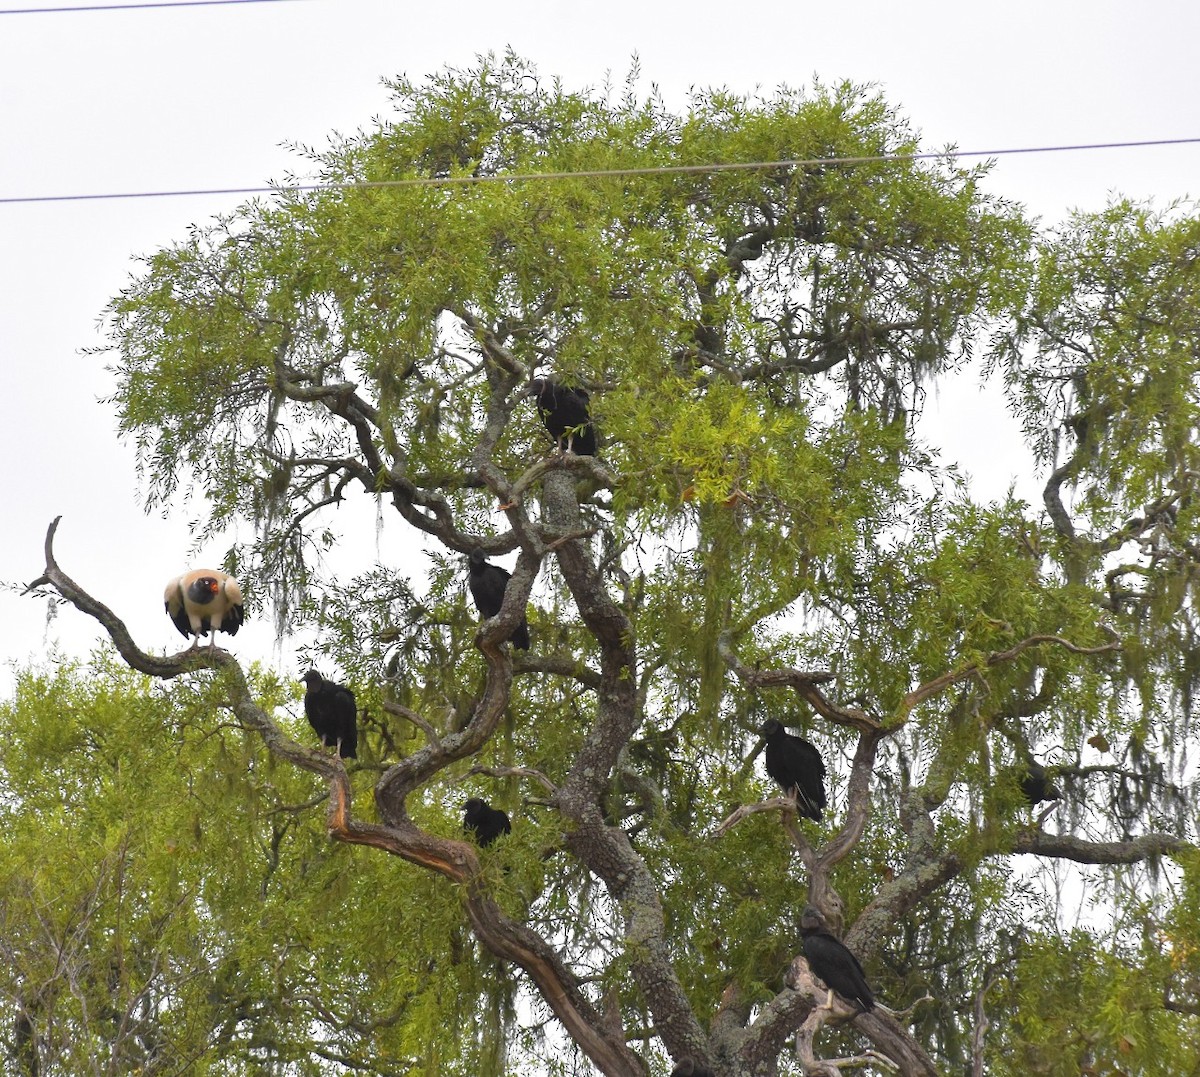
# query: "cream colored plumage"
[[205, 600]]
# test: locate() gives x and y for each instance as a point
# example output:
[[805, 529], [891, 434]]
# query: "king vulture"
[[203, 601]]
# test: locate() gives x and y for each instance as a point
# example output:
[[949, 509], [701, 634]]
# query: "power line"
[[130, 7], [597, 173]]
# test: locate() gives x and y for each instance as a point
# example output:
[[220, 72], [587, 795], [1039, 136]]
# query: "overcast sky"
[[204, 97]]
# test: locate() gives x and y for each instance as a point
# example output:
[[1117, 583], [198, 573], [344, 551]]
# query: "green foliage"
[[1111, 377], [758, 345], [170, 901], [1073, 1004]]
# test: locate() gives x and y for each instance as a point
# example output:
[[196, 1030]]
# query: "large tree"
[[763, 534]]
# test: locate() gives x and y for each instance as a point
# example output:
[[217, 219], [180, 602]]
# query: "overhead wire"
[[595, 173], [130, 7]]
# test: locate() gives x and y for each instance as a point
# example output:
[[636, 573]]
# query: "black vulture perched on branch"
[[1036, 784], [332, 712], [202, 601], [833, 964], [797, 767], [566, 414], [486, 822], [487, 583]]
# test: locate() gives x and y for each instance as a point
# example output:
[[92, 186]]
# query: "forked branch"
[[931, 688], [456, 860]]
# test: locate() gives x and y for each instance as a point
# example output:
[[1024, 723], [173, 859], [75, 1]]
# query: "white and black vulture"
[[332, 712], [487, 584], [833, 964], [1036, 784], [203, 601], [689, 1067], [797, 767], [487, 823], [566, 414]]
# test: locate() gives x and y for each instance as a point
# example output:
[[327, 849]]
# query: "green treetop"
[[762, 534]]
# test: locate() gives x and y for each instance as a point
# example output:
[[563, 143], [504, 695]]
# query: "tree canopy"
[[764, 533]]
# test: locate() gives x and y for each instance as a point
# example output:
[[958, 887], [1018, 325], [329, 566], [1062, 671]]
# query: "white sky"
[[203, 97]]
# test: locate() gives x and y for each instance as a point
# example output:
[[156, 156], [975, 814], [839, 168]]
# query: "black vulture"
[[202, 601], [1036, 784], [488, 823], [487, 583], [689, 1067], [797, 767], [331, 711], [566, 415], [832, 963]]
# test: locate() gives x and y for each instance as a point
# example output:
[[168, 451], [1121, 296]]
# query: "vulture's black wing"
[[343, 715], [794, 764], [566, 414], [332, 711], [487, 584], [1037, 785], [833, 963], [487, 823]]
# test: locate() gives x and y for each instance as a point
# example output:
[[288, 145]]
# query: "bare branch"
[[563, 666], [802, 1006], [923, 876], [785, 805], [804, 682], [456, 860], [166, 667], [1052, 499], [1067, 847], [940, 683], [858, 803], [409, 715], [1176, 1006], [517, 772], [605, 849]]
